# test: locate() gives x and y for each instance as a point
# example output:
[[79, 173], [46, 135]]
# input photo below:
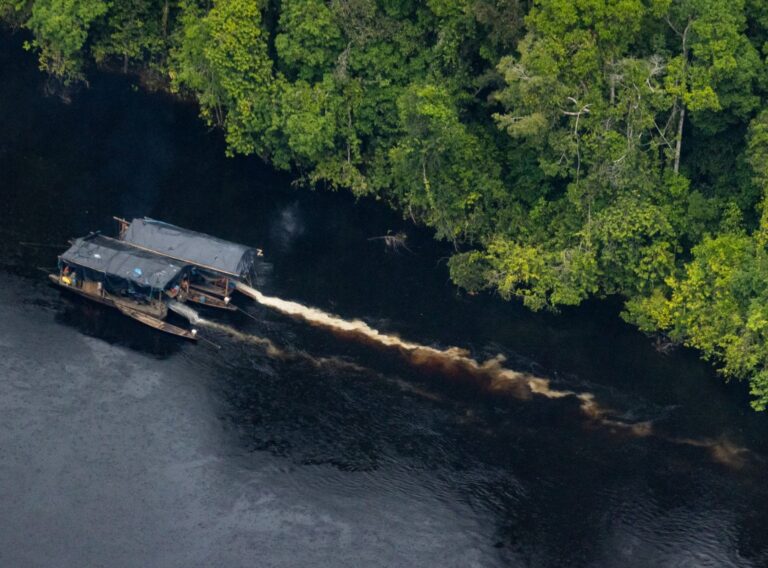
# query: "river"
[[124, 447]]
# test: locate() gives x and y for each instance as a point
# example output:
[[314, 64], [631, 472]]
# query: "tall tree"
[[715, 67], [134, 32], [440, 170], [309, 40], [60, 29], [222, 58]]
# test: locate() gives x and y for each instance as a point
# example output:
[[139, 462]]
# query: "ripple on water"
[[640, 531]]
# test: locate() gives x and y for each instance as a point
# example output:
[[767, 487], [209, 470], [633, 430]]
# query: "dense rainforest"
[[567, 148]]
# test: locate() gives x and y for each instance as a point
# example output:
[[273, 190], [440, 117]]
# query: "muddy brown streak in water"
[[269, 347], [491, 375]]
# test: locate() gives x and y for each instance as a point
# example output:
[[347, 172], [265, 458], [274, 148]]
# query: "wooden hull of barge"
[[205, 299], [130, 309]]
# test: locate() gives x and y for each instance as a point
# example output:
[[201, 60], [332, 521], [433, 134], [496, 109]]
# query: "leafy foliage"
[[61, 29], [223, 55], [136, 32]]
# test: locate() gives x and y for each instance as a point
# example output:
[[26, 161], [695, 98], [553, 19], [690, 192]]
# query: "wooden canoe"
[[157, 324], [145, 314]]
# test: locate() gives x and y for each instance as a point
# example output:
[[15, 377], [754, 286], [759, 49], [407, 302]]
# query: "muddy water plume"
[[453, 361], [493, 376], [267, 345], [456, 363]]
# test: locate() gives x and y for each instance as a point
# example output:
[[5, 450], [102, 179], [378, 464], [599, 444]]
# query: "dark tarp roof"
[[117, 259], [190, 246]]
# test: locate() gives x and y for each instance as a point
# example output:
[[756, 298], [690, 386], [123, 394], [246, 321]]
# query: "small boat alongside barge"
[[137, 283]]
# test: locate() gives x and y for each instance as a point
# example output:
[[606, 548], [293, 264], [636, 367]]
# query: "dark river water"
[[122, 447]]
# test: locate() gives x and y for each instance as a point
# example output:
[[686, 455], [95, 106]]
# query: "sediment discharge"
[[269, 347], [454, 361], [451, 361]]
